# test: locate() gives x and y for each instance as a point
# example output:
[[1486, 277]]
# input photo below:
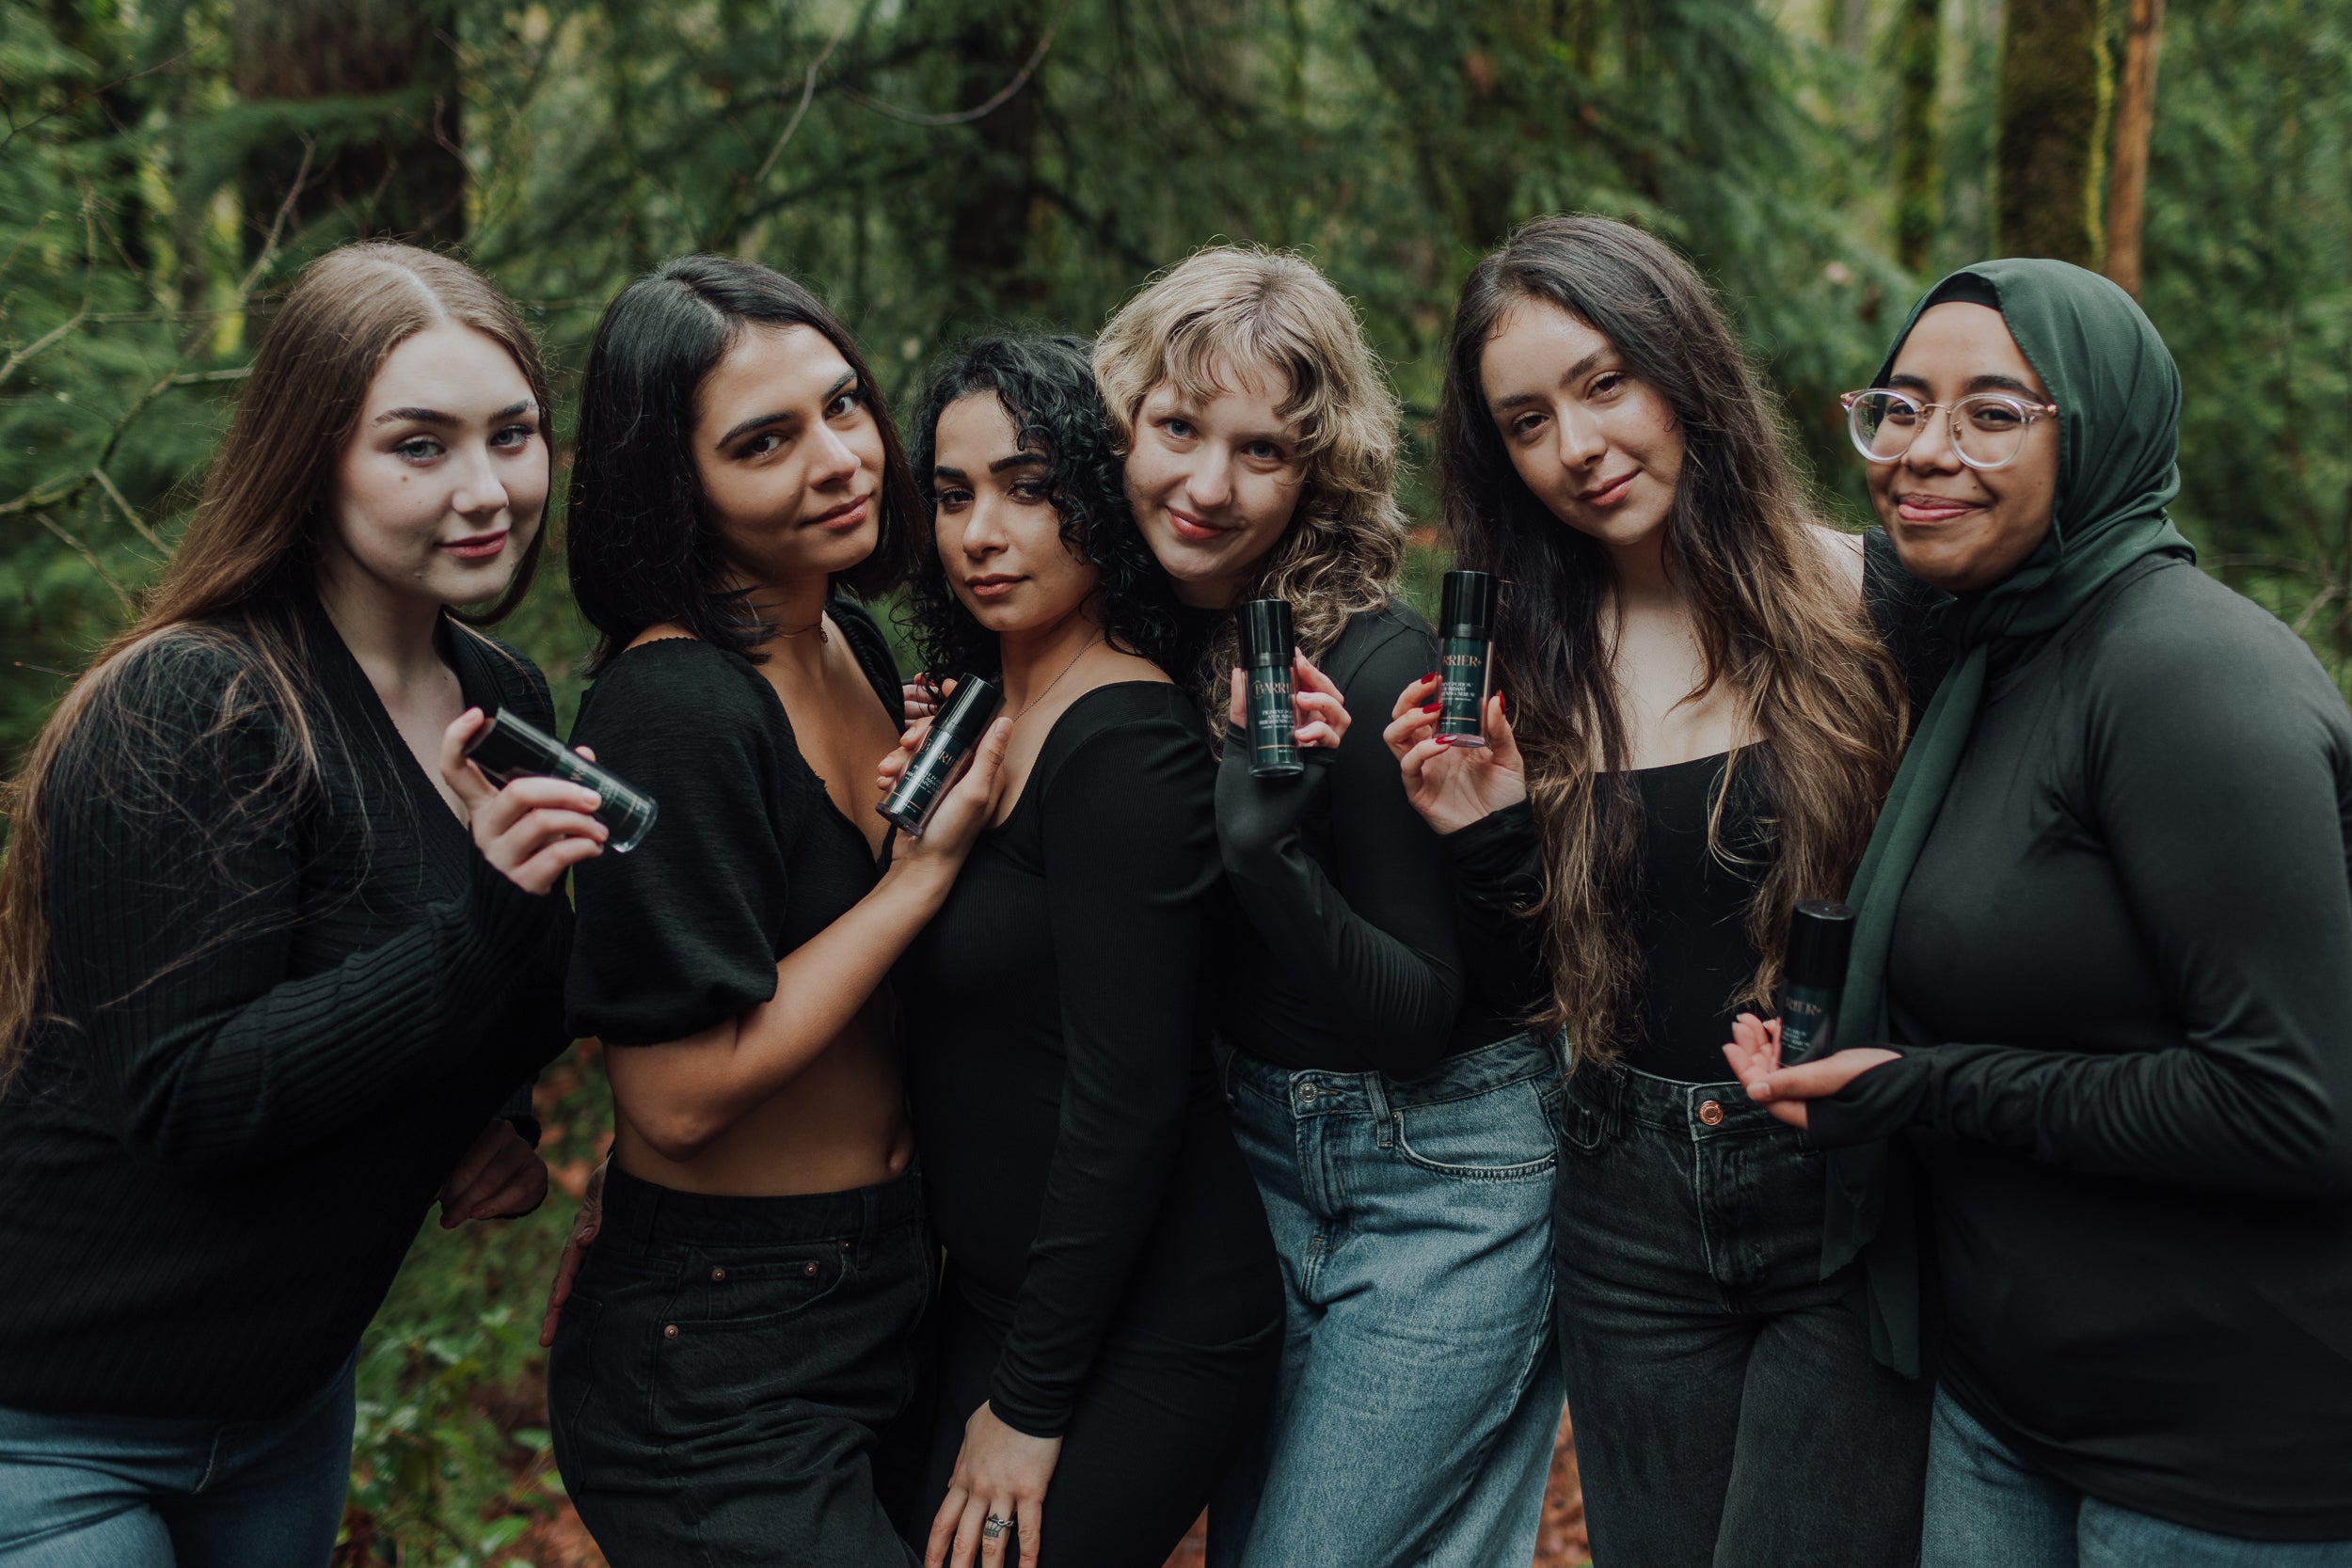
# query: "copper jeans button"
[[1711, 1113]]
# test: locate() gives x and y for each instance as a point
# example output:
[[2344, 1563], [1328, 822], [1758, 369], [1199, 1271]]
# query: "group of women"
[[1147, 1134]]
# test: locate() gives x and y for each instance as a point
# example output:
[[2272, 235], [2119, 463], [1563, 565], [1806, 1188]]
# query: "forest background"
[[936, 166]]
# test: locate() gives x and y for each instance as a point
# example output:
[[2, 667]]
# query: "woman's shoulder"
[[681, 688], [2167, 633], [1123, 724], [1380, 643]]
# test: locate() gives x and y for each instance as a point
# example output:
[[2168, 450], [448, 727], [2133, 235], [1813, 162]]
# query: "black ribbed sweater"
[[281, 1009]]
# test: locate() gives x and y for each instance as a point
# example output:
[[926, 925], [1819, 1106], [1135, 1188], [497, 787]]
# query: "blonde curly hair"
[[1230, 309]]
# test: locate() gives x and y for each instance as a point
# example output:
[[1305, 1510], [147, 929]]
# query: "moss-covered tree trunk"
[[2135, 119], [992, 196], [1919, 166], [2051, 147], [372, 85]]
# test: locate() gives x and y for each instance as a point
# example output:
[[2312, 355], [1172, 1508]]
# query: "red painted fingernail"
[[1427, 678], [1431, 707]]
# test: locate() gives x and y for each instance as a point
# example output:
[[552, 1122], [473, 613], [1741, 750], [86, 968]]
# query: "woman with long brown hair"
[[1707, 695], [275, 955]]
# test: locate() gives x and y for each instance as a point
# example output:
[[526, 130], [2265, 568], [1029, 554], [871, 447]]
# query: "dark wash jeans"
[[1727, 1411], [728, 1369]]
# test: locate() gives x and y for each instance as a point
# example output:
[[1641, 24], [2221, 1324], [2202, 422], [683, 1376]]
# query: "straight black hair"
[[1045, 384], [641, 547]]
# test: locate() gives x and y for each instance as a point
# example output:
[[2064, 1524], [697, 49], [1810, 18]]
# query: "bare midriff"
[[839, 1124]]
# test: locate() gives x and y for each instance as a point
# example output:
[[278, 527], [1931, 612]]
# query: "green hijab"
[[2119, 398]]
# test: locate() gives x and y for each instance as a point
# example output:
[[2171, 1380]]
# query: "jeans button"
[[716, 1274], [1307, 1092], [669, 1331], [1711, 1113]]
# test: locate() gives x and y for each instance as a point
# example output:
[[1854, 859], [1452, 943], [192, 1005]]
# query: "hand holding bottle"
[[1320, 711], [1454, 785]]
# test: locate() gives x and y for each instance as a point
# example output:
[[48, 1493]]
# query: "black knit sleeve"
[[1498, 883], [172, 866], [1374, 941], [1130, 861], [2218, 777], [681, 932]]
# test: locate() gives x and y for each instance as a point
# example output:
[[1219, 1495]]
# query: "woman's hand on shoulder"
[[1000, 1474], [1317, 707], [1452, 787], [534, 829]]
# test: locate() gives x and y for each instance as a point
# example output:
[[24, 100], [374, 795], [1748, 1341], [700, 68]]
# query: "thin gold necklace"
[[1056, 680]]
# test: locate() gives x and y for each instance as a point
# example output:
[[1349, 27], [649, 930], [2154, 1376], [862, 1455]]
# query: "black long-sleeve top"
[[2121, 981], [284, 1009], [1080, 1170], [1348, 958], [749, 858], [1690, 917]]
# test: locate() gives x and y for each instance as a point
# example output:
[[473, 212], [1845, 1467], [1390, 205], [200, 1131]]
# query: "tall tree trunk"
[[392, 169], [2135, 118], [1918, 163], [992, 200], [2053, 123]]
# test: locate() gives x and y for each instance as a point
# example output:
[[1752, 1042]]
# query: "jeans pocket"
[[737, 1333], [1504, 1133], [572, 1368]]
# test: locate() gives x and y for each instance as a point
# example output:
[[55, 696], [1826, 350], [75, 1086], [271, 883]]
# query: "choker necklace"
[[1056, 680], [817, 625]]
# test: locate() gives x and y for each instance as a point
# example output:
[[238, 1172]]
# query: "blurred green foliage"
[[935, 166]]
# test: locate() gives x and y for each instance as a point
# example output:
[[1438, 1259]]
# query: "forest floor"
[[450, 1461]]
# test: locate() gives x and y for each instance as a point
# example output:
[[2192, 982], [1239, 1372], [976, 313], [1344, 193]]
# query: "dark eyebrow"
[[940, 471], [762, 422], [1918, 381], [433, 416], [1018, 460], [1994, 383], [1575, 372]]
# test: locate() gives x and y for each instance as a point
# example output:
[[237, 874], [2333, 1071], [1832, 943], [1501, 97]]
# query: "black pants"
[[1727, 1411], [1154, 1431], [728, 1369]]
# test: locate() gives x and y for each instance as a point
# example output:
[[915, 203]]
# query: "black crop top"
[[748, 858], [1080, 1170]]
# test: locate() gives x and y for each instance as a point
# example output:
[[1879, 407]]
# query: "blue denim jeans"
[[1727, 1410], [1986, 1508], [1419, 1395], [154, 1492]]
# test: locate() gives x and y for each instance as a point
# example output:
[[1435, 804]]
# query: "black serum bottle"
[[1265, 656], [1820, 937], [948, 741], [1466, 656], [507, 748]]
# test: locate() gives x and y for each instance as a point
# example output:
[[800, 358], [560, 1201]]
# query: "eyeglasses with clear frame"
[[1988, 429]]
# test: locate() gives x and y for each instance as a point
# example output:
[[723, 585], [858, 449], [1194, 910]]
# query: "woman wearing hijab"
[[2105, 930]]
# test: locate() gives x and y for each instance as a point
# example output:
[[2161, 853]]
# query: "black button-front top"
[[285, 1006]]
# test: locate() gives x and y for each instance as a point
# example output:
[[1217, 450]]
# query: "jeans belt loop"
[[1382, 1117]]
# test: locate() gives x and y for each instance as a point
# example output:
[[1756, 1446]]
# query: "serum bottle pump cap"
[[507, 747], [1267, 642], [933, 768], [1821, 937], [1466, 654]]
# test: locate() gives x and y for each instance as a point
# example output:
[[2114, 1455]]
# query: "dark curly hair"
[[1045, 383]]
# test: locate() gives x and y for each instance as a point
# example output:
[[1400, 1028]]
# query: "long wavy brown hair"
[[1230, 306], [1775, 618], [250, 548]]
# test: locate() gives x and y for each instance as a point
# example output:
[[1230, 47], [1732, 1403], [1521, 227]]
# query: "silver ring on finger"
[[993, 1527]]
